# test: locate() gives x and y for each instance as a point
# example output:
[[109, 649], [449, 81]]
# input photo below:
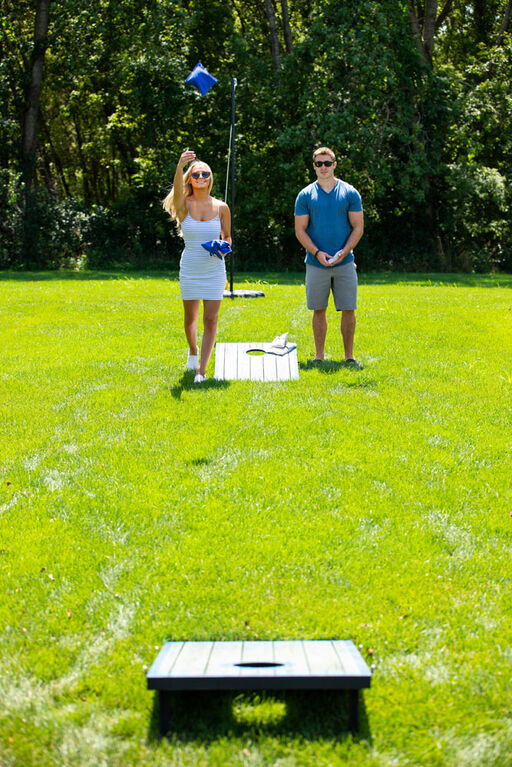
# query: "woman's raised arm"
[[179, 201]]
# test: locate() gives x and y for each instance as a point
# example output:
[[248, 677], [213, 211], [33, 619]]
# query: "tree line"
[[414, 97]]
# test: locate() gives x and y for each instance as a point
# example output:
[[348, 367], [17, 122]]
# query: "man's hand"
[[322, 257], [338, 256]]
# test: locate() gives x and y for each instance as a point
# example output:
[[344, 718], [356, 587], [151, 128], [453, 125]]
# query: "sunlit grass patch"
[[370, 503]]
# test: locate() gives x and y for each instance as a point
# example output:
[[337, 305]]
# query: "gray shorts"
[[342, 280]]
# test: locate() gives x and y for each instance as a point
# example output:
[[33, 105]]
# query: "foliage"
[[133, 232], [11, 219], [477, 224], [116, 113], [479, 227]]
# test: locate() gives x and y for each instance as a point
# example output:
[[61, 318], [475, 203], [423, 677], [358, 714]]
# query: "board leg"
[[163, 711], [353, 711]]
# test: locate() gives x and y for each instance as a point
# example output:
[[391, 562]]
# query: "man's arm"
[[301, 225], [356, 219]]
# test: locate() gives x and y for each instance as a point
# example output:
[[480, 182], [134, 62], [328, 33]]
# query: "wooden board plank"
[[230, 362], [269, 367], [283, 368], [244, 362], [322, 658], [164, 661], [223, 658], [255, 653], [294, 365], [192, 660], [291, 653], [220, 350], [257, 367], [351, 658]]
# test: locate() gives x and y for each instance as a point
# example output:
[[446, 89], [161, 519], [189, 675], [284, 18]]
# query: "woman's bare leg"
[[191, 310], [210, 319]]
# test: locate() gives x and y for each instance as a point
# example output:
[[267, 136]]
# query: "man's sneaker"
[[192, 361], [199, 378]]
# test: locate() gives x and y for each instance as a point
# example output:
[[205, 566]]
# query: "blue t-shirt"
[[329, 225]]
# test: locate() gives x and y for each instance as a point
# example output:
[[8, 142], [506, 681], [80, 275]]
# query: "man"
[[329, 222]]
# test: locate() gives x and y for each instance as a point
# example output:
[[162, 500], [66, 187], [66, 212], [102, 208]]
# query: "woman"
[[202, 276]]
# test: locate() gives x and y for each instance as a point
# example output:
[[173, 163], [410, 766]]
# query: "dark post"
[[163, 711], [232, 159], [353, 711]]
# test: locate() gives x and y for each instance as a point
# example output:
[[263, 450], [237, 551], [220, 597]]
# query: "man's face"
[[324, 172]]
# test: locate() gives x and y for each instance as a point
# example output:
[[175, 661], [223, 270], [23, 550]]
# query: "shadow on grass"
[[331, 366], [203, 717], [186, 383]]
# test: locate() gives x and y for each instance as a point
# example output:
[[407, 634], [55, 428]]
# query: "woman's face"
[[203, 174]]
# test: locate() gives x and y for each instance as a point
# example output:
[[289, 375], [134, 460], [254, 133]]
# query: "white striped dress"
[[201, 275]]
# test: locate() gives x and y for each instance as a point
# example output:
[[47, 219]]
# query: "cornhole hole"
[[254, 362], [272, 665]]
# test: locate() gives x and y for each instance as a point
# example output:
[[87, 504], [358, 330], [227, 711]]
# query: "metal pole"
[[232, 159]]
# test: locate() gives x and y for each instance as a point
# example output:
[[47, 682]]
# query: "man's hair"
[[324, 150]]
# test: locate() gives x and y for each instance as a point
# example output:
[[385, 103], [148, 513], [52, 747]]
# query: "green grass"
[[372, 504]]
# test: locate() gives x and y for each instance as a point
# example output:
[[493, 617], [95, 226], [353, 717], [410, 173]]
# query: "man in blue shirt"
[[329, 222]]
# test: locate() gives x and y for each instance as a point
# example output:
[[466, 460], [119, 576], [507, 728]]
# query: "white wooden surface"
[[233, 363]]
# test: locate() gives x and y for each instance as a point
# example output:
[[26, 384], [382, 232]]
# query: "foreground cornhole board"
[[234, 362], [279, 665]]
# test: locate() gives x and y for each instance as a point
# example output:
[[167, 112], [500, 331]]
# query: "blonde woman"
[[202, 277]]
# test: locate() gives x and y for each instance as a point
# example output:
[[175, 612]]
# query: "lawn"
[[371, 504]]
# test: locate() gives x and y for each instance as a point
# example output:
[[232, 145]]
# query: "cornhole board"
[[272, 665], [235, 362]]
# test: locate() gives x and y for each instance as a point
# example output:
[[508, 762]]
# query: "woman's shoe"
[[192, 361], [199, 378]]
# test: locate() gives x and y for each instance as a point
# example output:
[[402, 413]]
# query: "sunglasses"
[[203, 174], [319, 163]]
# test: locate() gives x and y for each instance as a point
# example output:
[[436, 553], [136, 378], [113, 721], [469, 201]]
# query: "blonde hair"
[[168, 202], [324, 150]]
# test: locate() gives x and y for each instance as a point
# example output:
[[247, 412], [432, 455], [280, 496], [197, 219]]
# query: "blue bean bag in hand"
[[217, 248]]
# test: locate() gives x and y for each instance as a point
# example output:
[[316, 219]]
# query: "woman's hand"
[[187, 156]]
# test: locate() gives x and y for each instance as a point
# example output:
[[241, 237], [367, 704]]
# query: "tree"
[[413, 95], [274, 38], [33, 92]]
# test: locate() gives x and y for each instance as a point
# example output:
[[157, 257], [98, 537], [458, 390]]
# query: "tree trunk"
[[429, 28], [286, 27], [415, 25], [504, 24], [445, 12], [424, 23], [29, 128], [274, 39]]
